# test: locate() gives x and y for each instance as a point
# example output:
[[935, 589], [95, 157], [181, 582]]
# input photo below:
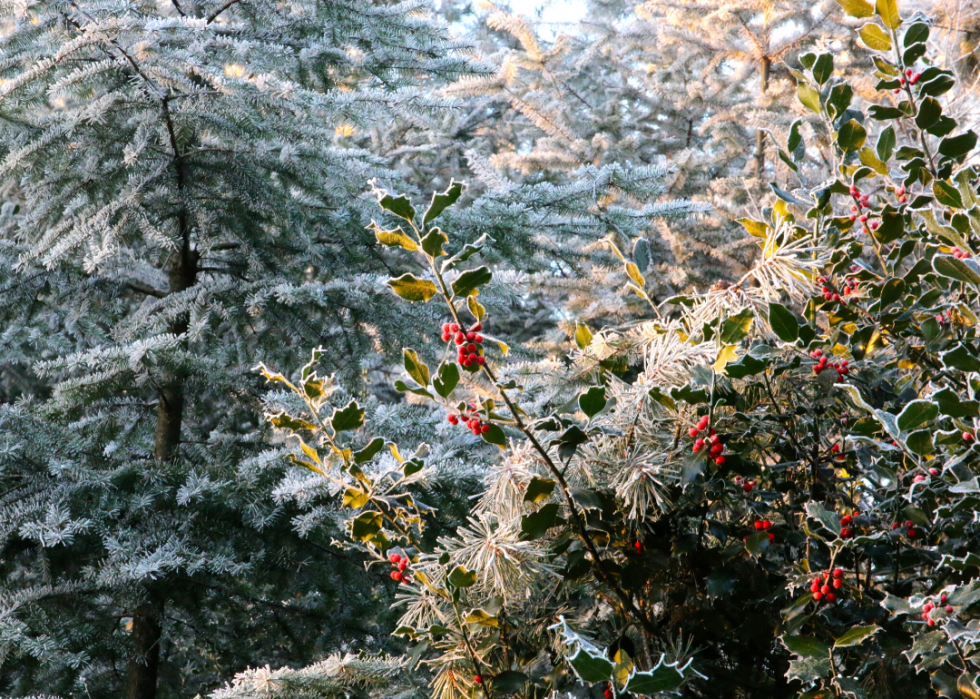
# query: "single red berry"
[[478, 339], [693, 432], [460, 338], [758, 524], [747, 487], [838, 584], [608, 694], [908, 524], [902, 200], [403, 564], [766, 524], [638, 546], [481, 360], [943, 598], [772, 537], [471, 336], [930, 622], [446, 337], [967, 437], [934, 471], [484, 429], [477, 679], [698, 445], [476, 327], [838, 573], [716, 449], [703, 422], [830, 596], [894, 525], [948, 609], [720, 460], [825, 589], [396, 576], [818, 596], [915, 78], [453, 328], [394, 557], [911, 533], [845, 533]]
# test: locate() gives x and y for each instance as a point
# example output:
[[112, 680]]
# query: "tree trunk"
[[141, 671], [170, 409], [760, 136]]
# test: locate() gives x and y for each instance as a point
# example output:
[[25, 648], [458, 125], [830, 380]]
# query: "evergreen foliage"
[[770, 491]]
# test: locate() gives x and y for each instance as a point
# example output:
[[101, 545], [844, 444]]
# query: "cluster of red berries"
[[401, 564], [919, 477], [845, 523], [764, 525], [747, 484], [828, 293], [943, 317], [823, 586], [713, 442], [823, 363], [960, 254], [900, 192], [835, 449], [468, 341], [909, 528], [860, 200], [929, 606], [471, 420], [866, 225]]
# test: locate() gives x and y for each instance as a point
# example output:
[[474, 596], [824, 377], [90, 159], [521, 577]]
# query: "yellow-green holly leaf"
[[412, 289], [888, 11], [875, 38]]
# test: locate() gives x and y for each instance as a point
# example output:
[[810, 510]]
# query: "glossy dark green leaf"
[[470, 280], [350, 417], [593, 401], [783, 322], [443, 200], [537, 524]]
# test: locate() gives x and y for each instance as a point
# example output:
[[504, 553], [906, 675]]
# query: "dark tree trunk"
[[141, 671], [760, 136]]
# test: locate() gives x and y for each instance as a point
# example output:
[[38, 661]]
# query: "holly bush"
[[768, 489]]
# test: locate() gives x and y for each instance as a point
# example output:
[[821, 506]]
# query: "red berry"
[[934, 471], [403, 564], [772, 537], [478, 339], [818, 596], [638, 546], [446, 337], [825, 589], [942, 598], [915, 78], [830, 596], [453, 328], [698, 445], [967, 437], [481, 360], [396, 576], [902, 200], [453, 420], [477, 679], [845, 533], [835, 448], [838, 584], [766, 524], [716, 449], [747, 487], [930, 622], [470, 336], [908, 524], [846, 520], [911, 533], [484, 429], [460, 338], [394, 557], [693, 432], [476, 327], [720, 460], [703, 422], [948, 609], [608, 694], [894, 525]]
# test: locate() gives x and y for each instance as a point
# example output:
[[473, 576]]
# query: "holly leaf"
[[590, 667], [593, 401], [539, 489], [805, 646], [443, 200], [350, 417], [888, 11], [856, 8], [917, 413], [400, 206], [947, 194], [665, 677], [537, 524], [856, 635], [433, 241], [783, 322], [460, 577], [954, 268], [851, 136], [366, 525], [411, 288], [470, 280], [369, 451], [394, 237], [415, 367], [447, 379], [809, 97], [875, 38]]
